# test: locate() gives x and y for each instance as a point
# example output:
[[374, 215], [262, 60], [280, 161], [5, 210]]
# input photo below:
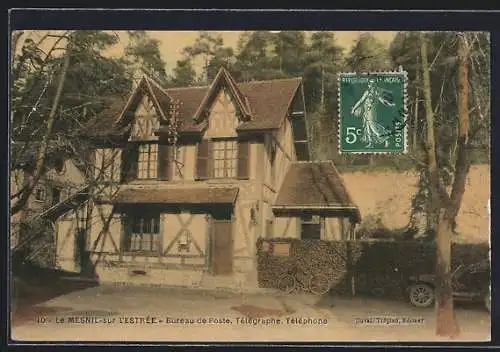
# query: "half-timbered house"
[[60, 179], [192, 177]]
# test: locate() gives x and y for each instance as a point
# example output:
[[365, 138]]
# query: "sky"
[[172, 42]]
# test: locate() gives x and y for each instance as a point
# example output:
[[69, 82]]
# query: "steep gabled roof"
[[265, 103], [158, 96], [314, 185], [223, 78]]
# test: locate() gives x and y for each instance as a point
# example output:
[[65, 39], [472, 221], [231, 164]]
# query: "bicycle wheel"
[[287, 283], [319, 284]]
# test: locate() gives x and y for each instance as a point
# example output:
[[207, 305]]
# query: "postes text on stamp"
[[372, 112]]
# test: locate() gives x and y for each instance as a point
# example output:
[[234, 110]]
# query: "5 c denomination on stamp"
[[372, 112]]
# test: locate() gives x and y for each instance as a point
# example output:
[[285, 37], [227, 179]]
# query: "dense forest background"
[[318, 58]]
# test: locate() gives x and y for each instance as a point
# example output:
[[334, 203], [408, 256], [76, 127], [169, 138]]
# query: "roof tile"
[[268, 101], [313, 185], [194, 195]]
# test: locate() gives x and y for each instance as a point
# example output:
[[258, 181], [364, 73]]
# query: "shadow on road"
[[32, 285]]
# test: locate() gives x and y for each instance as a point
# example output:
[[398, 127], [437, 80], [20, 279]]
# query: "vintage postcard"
[[249, 186]]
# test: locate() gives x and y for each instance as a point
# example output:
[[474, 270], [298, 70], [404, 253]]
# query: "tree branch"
[[40, 164]]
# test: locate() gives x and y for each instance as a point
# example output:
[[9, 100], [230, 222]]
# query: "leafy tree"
[[256, 58], [142, 54], [184, 74], [289, 50], [210, 47], [56, 91], [442, 61], [223, 57], [322, 61], [368, 55]]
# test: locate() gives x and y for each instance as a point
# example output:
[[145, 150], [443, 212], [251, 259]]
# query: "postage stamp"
[[372, 112]]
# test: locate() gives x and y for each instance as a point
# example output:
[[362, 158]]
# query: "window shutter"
[[164, 161], [203, 160], [129, 161], [243, 159]]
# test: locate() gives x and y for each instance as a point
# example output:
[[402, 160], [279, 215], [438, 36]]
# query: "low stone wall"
[[148, 271]]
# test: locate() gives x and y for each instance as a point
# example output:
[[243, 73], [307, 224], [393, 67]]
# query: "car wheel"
[[421, 295]]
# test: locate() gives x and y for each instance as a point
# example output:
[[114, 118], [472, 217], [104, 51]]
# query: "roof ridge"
[[156, 84], [239, 95], [295, 78], [184, 88]]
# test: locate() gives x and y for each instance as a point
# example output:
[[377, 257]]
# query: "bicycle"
[[295, 277]]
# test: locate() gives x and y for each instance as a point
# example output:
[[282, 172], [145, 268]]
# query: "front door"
[[222, 244]]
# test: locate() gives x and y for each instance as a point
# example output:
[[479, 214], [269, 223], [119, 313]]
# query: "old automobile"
[[469, 283]]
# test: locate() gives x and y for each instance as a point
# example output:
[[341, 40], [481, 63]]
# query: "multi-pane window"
[[310, 227], [225, 158], [144, 234], [147, 164]]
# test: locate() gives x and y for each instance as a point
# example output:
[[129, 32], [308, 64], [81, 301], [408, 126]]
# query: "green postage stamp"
[[372, 112]]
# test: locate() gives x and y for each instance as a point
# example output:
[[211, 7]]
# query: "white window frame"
[[225, 158], [149, 154]]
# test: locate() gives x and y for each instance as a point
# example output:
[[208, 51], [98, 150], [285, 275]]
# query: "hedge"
[[360, 267]]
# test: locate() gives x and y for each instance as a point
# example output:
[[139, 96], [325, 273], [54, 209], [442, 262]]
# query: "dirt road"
[[159, 314]]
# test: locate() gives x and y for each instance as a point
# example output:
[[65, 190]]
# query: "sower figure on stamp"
[[366, 107]]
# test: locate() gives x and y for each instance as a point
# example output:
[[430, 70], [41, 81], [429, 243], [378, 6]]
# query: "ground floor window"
[[310, 227], [143, 234]]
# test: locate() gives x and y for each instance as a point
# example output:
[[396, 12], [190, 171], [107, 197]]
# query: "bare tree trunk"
[[434, 202], [447, 325], [445, 319], [42, 152], [415, 116], [462, 162]]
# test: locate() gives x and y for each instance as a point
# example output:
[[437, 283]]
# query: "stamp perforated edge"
[[405, 108]]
